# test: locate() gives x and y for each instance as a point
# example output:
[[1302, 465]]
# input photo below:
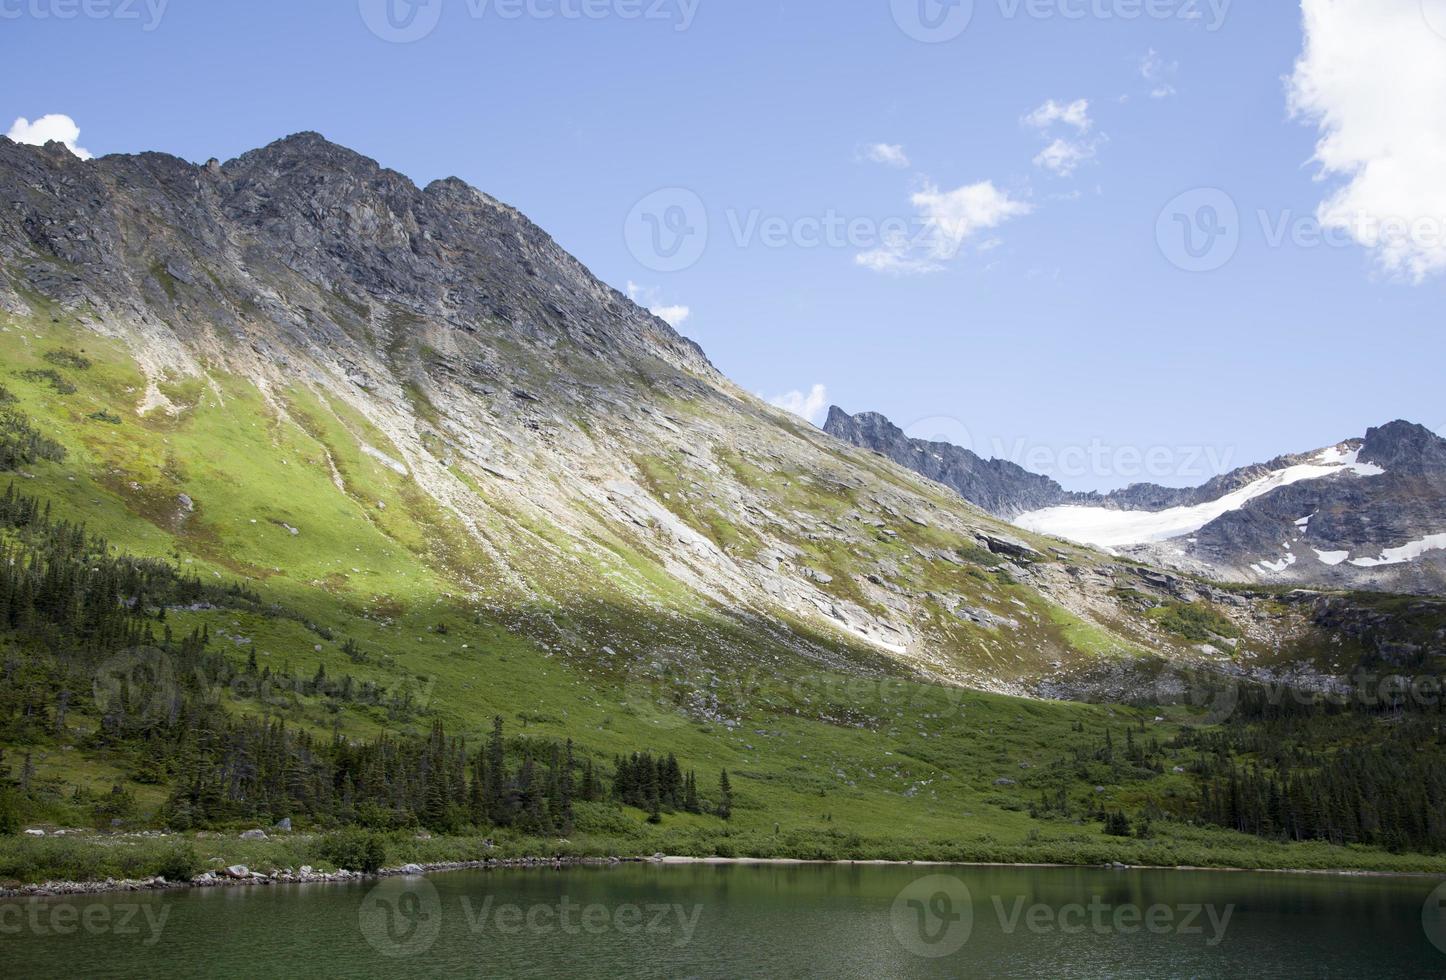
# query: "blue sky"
[[930, 225]]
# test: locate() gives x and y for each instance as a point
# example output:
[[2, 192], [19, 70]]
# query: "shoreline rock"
[[240, 875]]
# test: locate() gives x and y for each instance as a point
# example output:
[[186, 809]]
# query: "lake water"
[[750, 921]]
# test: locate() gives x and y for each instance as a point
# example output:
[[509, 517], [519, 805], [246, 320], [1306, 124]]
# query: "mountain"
[[1366, 513], [1000, 487], [364, 465], [466, 393]]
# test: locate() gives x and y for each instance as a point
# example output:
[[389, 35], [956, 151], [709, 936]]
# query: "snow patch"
[[1332, 558], [1275, 566], [1406, 553], [1106, 528]]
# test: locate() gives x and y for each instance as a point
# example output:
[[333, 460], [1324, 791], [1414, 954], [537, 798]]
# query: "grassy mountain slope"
[[508, 492]]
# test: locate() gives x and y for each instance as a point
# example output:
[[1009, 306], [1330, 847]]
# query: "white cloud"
[[647, 296], [1063, 157], [674, 316], [1076, 114], [888, 154], [953, 216], [1159, 73], [1064, 154], [947, 220], [1372, 76], [898, 256], [810, 406], [47, 128]]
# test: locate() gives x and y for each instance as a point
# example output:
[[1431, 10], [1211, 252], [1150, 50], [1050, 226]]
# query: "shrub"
[[68, 359], [1194, 621], [355, 850], [52, 378], [9, 814], [1117, 824], [117, 805], [180, 863]]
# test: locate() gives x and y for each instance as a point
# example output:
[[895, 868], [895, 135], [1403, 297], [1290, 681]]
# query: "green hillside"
[[323, 591]]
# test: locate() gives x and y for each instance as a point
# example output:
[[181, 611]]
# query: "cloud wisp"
[[810, 406]]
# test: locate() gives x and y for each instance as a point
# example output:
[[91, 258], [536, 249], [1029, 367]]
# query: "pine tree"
[[497, 810], [725, 796]]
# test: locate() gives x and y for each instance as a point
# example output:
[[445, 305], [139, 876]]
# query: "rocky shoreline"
[[241, 876], [238, 875]]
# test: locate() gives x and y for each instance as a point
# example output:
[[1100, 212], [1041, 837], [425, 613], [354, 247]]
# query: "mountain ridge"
[[1239, 542], [472, 394], [409, 471]]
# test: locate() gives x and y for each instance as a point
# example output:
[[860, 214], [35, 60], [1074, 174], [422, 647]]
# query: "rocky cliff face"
[[1002, 488], [435, 379], [1369, 513], [305, 239], [1384, 530]]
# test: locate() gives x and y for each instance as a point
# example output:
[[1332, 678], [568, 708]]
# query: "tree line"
[[83, 632], [20, 442]]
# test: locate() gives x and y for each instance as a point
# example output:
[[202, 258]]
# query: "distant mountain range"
[[1366, 513]]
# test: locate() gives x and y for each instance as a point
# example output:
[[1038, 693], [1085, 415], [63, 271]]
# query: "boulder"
[[1011, 547]]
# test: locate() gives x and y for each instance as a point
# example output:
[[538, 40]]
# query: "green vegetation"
[[1196, 621], [355, 850], [67, 358], [22, 444], [54, 379], [225, 614]]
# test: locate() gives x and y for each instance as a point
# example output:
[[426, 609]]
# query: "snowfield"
[[1405, 553], [1104, 528]]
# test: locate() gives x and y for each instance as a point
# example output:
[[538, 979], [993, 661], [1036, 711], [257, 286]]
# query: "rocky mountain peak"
[[998, 486], [1364, 512], [309, 237], [1405, 447]]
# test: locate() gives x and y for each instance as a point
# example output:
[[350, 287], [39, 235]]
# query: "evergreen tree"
[[725, 796]]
